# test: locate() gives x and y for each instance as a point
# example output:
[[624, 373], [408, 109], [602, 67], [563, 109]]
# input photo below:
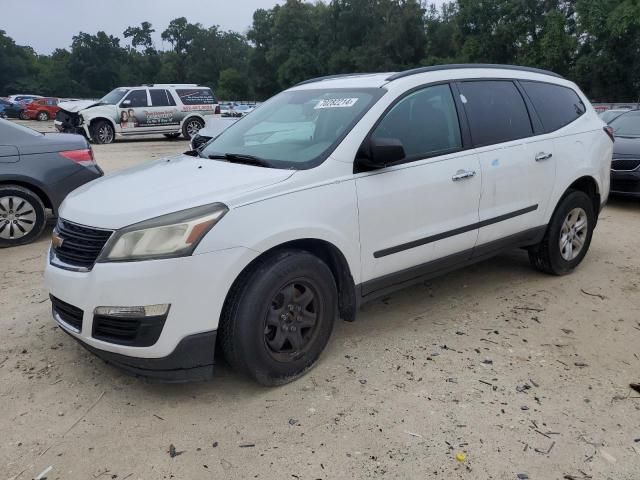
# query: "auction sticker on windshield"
[[336, 103]]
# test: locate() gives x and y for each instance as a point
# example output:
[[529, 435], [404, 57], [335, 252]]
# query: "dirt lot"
[[523, 373]]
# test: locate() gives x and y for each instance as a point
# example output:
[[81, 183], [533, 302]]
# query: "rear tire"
[[42, 116], [279, 317], [23, 115], [191, 126], [568, 235], [102, 132], [22, 216]]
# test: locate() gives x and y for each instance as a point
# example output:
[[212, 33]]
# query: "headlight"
[[173, 235]]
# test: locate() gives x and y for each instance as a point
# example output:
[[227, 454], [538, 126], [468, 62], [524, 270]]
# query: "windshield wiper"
[[241, 158]]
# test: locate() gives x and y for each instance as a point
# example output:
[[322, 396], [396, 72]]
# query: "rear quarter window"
[[557, 106], [196, 96], [496, 111]]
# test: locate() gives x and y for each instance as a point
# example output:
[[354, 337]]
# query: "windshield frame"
[[633, 113], [376, 94]]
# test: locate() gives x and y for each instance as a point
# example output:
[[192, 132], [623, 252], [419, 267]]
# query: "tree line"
[[595, 43]]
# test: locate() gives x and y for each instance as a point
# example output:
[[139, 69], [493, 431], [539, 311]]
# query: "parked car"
[[23, 97], [214, 126], [228, 110], [609, 115], [13, 109], [625, 167], [42, 109], [243, 110], [165, 109], [332, 193], [37, 171]]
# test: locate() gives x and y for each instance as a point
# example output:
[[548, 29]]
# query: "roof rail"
[[330, 77], [171, 85], [437, 68]]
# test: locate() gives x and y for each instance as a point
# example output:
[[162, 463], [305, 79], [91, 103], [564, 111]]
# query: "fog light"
[[136, 312]]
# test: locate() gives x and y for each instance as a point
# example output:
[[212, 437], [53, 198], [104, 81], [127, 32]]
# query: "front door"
[[131, 112], [423, 212]]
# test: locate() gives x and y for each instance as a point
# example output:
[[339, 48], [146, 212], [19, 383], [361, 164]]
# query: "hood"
[[624, 147], [77, 105], [163, 186]]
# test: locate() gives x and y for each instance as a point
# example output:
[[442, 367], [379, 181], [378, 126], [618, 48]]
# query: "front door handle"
[[462, 174], [543, 156]]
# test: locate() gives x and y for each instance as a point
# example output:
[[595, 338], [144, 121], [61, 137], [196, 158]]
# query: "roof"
[[377, 80]]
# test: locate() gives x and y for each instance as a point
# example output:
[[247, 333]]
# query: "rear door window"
[[496, 111], [557, 106], [426, 122], [161, 98]]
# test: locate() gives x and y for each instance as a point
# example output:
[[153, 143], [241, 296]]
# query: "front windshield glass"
[[627, 125], [295, 129], [114, 96]]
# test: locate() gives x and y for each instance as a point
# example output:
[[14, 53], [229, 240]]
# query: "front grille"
[[130, 331], [622, 165], [69, 314], [80, 245], [198, 141]]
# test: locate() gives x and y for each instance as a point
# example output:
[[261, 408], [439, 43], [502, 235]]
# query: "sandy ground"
[[524, 373]]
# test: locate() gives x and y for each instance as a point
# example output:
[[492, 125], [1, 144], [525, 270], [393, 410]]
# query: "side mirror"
[[379, 153], [126, 103]]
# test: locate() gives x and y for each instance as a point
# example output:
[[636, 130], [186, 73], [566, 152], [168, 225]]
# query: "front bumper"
[[196, 288], [192, 360], [625, 183]]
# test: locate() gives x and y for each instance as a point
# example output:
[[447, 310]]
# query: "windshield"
[[10, 132], [114, 96], [296, 129], [627, 124]]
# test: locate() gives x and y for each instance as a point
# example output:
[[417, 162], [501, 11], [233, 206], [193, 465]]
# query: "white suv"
[[168, 109], [329, 195]]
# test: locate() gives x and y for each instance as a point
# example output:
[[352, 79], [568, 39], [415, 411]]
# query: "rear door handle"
[[543, 156], [462, 174]]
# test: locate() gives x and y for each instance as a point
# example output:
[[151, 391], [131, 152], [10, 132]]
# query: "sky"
[[49, 24]]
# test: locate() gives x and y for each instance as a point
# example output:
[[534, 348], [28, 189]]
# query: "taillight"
[[609, 131], [217, 110], [82, 157]]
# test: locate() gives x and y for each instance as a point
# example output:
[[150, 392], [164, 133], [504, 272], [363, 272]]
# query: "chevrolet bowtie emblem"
[[56, 240]]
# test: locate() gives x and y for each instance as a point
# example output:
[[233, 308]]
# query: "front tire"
[[279, 317], [102, 132], [568, 235], [191, 126], [22, 216], [23, 115], [42, 116], [171, 135]]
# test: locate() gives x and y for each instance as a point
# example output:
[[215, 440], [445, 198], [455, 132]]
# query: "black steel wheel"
[[279, 317]]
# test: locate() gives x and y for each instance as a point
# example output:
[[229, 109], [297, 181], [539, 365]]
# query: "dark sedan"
[[37, 171], [13, 109], [625, 166]]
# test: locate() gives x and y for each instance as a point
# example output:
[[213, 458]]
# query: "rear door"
[[162, 114], [515, 187], [422, 215]]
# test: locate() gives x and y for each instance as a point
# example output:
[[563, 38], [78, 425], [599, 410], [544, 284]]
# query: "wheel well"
[[330, 255], [589, 186], [93, 121], [38, 191]]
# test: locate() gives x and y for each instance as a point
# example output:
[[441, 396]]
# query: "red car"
[[42, 108]]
